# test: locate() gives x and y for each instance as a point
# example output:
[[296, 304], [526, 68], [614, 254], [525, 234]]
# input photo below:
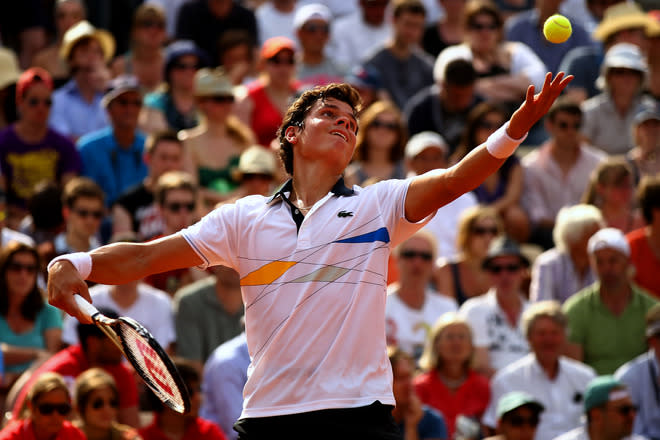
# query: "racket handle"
[[86, 307]]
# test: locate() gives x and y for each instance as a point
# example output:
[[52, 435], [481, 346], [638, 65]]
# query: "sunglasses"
[[519, 421], [126, 102], [382, 124], [185, 66], [483, 26], [148, 24], [47, 409], [33, 102], [177, 207], [483, 230], [257, 176], [316, 27], [625, 410], [88, 213], [426, 256], [220, 99], [101, 403], [565, 125], [279, 61], [18, 267], [511, 268]]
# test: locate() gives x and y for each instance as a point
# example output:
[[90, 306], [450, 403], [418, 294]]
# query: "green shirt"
[[607, 341]]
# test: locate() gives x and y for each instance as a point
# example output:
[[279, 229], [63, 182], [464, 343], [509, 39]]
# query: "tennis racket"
[[145, 354]]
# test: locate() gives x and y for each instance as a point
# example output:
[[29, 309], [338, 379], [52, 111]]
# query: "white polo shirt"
[[314, 297], [563, 397]]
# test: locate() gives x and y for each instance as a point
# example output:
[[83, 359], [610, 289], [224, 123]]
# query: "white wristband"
[[501, 145], [82, 261]]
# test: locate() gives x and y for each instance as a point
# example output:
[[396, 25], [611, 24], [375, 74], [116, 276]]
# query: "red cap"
[[273, 46], [30, 77]]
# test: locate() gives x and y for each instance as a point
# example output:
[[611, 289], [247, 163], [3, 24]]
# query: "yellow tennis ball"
[[557, 29]]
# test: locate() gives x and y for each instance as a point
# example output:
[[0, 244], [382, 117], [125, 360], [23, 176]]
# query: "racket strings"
[[151, 367]]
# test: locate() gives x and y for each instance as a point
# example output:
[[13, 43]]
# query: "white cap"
[[622, 55], [312, 11], [609, 238], [421, 141]]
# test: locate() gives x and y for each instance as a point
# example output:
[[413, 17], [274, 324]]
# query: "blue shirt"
[[431, 426], [225, 374], [642, 376], [525, 27], [112, 167], [72, 116]]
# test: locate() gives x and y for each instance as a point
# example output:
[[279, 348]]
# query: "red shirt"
[[23, 430], [647, 264], [70, 362], [470, 399], [200, 430]]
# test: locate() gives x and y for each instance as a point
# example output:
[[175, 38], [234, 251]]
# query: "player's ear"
[[291, 133]]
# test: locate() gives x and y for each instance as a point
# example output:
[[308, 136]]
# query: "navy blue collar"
[[339, 189]]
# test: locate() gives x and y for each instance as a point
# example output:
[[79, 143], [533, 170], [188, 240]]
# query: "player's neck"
[[310, 187]]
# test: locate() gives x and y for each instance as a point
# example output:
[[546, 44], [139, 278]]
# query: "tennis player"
[[312, 261]]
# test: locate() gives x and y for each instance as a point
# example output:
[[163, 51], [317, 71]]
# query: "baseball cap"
[[180, 48], [601, 390], [212, 82], [609, 238], [275, 45], [502, 247], [364, 77], [119, 86], [646, 113], [30, 77], [312, 11], [514, 400], [421, 141]]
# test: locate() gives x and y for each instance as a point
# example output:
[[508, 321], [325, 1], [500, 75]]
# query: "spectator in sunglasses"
[[49, 407], [609, 410], [412, 306], [518, 415], [31, 329], [212, 148], [82, 210], [97, 405], [146, 58], [30, 151], [557, 173], [172, 107], [113, 157], [554, 380], [380, 145], [495, 316]]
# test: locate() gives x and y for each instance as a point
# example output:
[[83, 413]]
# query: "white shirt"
[[315, 299], [491, 329], [444, 225], [273, 23], [11, 235], [407, 327], [152, 309], [352, 40], [582, 434], [562, 397]]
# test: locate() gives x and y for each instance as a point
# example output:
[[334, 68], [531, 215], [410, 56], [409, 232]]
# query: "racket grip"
[[86, 307]]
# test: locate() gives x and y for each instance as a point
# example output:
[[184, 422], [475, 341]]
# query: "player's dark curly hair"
[[297, 112]]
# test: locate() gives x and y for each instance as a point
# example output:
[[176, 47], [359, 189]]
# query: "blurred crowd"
[[525, 309]]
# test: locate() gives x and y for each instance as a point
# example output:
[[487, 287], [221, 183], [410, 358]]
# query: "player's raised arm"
[[116, 263], [432, 190]]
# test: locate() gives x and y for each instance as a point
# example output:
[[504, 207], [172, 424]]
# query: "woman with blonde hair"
[[97, 403], [612, 190], [380, 145], [448, 383], [463, 276], [48, 407]]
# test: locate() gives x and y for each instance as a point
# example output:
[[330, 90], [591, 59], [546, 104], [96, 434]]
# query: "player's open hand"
[[537, 105], [64, 281]]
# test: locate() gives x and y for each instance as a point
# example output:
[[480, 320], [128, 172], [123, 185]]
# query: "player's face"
[[328, 135], [546, 339], [102, 408]]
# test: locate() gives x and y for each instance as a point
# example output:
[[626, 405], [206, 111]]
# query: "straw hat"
[[626, 15], [213, 82], [255, 160], [9, 71], [84, 29]]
